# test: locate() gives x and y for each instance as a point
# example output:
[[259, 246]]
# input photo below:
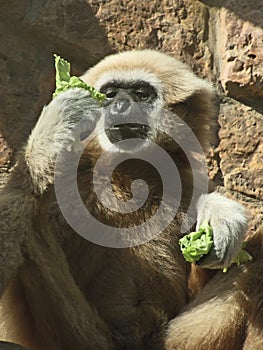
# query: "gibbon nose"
[[121, 106]]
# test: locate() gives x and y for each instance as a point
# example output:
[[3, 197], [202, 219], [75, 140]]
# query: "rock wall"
[[222, 40]]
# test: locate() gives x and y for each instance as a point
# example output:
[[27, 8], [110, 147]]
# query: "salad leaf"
[[242, 257], [197, 244], [64, 81]]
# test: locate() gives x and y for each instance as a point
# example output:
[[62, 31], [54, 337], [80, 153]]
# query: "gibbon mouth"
[[120, 132]]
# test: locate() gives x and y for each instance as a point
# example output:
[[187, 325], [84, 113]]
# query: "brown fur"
[[73, 294], [227, 312]]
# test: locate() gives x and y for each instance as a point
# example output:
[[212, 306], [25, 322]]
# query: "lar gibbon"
[[64, 292]]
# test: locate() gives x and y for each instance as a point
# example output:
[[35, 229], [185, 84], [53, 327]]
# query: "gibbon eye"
[[142, 95], [110, 93]]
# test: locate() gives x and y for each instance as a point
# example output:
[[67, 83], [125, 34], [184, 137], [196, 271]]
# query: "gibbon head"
[[139, 86]]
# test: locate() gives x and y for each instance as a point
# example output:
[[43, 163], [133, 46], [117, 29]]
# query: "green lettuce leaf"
[[242, 257], [197, 244], [64, 81]]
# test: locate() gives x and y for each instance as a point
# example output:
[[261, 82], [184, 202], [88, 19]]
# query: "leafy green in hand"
[[196, 244], [242, 257], [64, 81]]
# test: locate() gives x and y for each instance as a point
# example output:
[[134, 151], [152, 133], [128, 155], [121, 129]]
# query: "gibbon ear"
[[192, 98], [200, 112]]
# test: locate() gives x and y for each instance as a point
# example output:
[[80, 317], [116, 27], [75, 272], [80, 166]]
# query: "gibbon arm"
[[63, 316], [56, 129]]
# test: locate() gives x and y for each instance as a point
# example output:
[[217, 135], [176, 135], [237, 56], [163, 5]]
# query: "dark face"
[[128, 108]]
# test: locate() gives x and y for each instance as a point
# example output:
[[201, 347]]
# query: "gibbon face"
[[138, 86], [133, 101], [128, 110]]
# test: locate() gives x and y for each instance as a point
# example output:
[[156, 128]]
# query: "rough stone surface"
[[239, 52], [241, 149], [30, 33], [241, 157], [222, 40], [179, 27]]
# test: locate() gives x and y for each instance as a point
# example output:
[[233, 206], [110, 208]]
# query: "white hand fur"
[[62, 123], [229, 223]]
